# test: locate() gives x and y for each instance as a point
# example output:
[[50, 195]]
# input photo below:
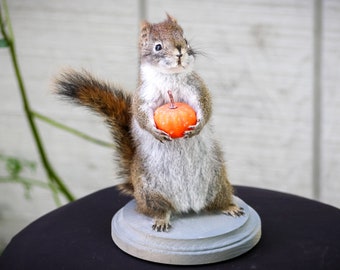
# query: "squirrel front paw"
[[193, 130], [160, 135]]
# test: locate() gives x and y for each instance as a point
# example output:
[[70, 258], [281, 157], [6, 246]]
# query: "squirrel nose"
[[179, 48]]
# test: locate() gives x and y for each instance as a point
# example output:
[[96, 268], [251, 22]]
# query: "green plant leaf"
[[13, 166], [4, 43]]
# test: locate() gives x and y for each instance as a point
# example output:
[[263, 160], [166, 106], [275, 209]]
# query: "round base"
[[193, 238]]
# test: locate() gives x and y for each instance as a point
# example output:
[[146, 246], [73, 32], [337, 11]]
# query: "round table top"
[[297, 233]]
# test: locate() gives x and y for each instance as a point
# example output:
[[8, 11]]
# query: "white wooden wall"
[[276, 110]]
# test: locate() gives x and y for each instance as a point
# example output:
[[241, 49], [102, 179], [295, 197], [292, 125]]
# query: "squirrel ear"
[[144, 29], [170, 18], [144, 25], [144, 33]]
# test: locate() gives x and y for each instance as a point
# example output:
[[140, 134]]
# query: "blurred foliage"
[[14, 168]]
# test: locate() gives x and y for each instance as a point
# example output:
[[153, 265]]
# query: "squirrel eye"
[[158, 47]]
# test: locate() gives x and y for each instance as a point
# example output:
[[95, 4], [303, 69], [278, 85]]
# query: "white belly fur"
[[182, 170]]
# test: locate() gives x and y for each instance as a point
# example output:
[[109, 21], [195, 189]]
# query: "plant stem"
[[172, 101], [71, 130], [26, 181], [52, 176], [33, 182]]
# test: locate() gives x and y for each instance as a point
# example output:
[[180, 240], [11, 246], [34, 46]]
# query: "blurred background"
[[273, 68]]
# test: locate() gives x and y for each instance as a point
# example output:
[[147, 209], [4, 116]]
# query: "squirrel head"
[[164, 47]]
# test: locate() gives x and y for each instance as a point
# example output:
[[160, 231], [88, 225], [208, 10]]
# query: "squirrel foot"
[[162, 224], [234, 211]]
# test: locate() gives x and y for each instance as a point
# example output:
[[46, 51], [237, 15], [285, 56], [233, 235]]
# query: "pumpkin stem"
[[172, 101]]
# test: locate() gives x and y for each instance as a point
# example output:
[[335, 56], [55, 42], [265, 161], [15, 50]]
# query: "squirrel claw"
[[161, 226], [234, 211], [161, 135], [193, 130]]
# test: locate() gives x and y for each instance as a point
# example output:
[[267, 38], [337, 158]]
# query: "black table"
[[297, 233]]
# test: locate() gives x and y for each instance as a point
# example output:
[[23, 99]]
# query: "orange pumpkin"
[[175, 118]]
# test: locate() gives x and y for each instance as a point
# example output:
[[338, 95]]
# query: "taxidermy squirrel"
[[165, 175]]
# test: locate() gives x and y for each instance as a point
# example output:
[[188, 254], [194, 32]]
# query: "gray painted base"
[[193, 239]]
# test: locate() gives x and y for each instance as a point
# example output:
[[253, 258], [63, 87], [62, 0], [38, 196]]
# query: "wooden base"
[[193, 239]]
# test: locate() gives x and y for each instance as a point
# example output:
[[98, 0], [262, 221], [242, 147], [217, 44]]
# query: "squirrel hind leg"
[[224, 201], [154, 205]]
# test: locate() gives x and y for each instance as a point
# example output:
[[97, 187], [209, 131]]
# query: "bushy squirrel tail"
[[113, 103]]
